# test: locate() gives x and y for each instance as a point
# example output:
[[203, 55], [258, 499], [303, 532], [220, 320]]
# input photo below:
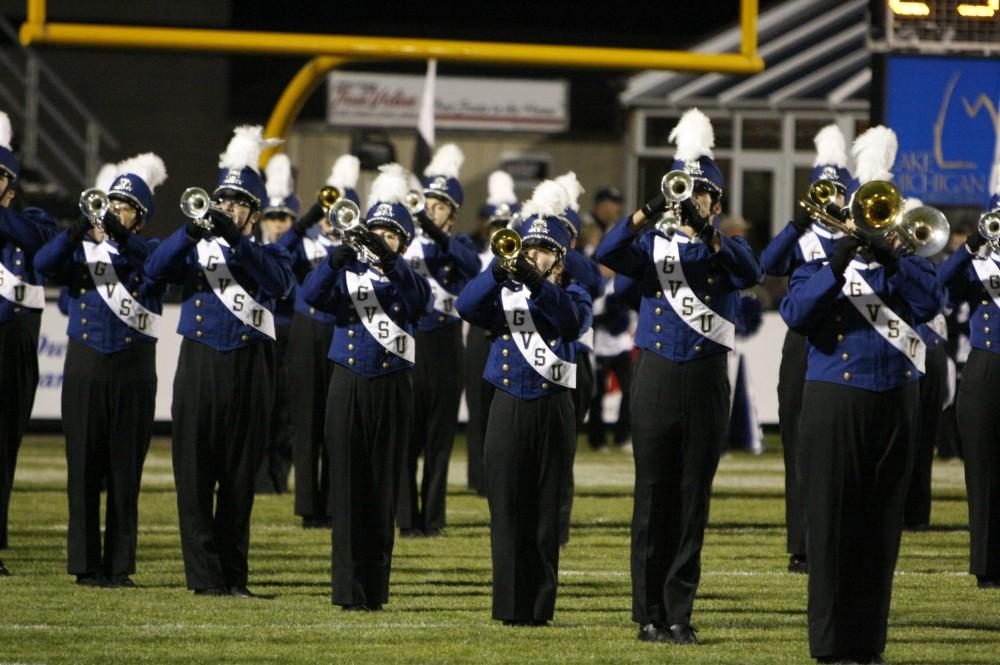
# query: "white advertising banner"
[[359, 99]]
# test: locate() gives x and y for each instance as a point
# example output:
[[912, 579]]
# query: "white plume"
[[693, 136], [6, 131], [830, 147], [995, 180], [279, 183], [147, 166], [345, 173], [244, 148], [572, 185], [414, 181], [106, 177], [500, 189], [390, 186], [911, 203], [447, 161], [549, 199], [874, 153]]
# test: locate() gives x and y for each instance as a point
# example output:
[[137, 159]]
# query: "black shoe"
[[651, 632], [376, 607], [433, 533], [3, 569], [92, 579], [355, 607], [212, 591], [517, 623], [316, 523], [987, 582], [241, 592], [121, 582], [922, 526], [683, 633], [411, 533], [797, 564]]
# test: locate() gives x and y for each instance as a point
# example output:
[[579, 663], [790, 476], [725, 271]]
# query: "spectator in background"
[[607, 208], [614, 323]]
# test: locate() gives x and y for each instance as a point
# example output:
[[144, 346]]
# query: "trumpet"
[[327, 197], [989, 228], [506, 245], [676, 186], [195, 204], [822, 192], [94, 204], [669, 221], [345, 218], [415, 202], [924, 230]]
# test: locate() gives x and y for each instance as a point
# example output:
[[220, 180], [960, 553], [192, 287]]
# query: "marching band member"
[[447, 263], [803, 240], [859, 417], [310, 242], [690, 285], [501, 204], [22, 233], [109, 384], [223, 388], [369, 406], [276, 219], [972, 276], [585, 272], [534, 323]]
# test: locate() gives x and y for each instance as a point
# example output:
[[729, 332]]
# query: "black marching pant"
[[437, 381], [582, 397], [979, 424], [526, 449], [621, 365], [367, 428], [680, 412], [856, 449], [310, 372], [791, 380], [19, 377], [478, 395], [933, 392], [108, 406], [272, 475], [222, 414]]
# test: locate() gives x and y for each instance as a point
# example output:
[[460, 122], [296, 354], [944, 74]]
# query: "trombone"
[[195, 204], [94, 204], [505, 244]]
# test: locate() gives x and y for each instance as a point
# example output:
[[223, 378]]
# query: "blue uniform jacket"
[[452, 268], [21, 235], [783, 256], [302, 265], [585, 272], [715, 277], [560, 314], [264, 272], [91, 321], [403, 294], [958, 275], [843, 347]]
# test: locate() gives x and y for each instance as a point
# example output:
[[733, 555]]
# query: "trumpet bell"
[[195, 202], [822, 192], [415, 201], [505, 245], [344, 215], [924, 230], [989, 226], [875, 207], [94, 203], [327, 197], [677, 186]]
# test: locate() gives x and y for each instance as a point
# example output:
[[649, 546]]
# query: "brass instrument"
[[327, 197], [924, 230], [875, 207], [676, 186], [94, 204], [345, 218], [669, 221], [822, 192], [195, 204], [506, 245], [415, 202]]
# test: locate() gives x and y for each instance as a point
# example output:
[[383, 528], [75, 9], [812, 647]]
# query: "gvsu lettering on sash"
[[115, 295], [230, 292], [889, 325], [14, 289], [375, 320], [989, 274], [444, 302], [529, 342]]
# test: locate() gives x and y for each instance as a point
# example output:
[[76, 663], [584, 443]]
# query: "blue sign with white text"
[[944, 111]]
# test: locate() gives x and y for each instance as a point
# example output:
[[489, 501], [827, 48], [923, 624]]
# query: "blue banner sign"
[[944, 111]]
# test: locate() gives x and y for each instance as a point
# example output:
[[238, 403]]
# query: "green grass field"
[[749, 610]]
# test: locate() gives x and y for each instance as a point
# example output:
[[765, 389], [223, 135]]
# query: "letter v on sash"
[[873, 311]]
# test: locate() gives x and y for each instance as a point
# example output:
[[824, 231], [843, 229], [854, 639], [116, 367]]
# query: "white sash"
[[530, 343], [697, 315], [444, 302], [811, 247], [230, 292], [989, 275], [939, 326], [16, 290], [889, 325], [317, 249], [114, 294], [385, 331]]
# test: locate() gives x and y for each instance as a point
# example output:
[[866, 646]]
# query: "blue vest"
[[843, 346], [715, 277], [91, 321], [783, 255], [585, 272], [559, 314], [962, 281], [264, 272], [452, 268], [21, 235], [302, 265], [404, 296]]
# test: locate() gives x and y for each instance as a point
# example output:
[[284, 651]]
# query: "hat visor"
[[129, 199], [390, 224], [543, 241], [237, 192], [438, 194]]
